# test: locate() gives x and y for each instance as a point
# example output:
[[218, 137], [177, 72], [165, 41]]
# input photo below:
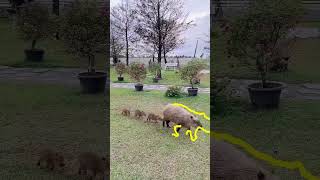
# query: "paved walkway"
[[155, 87], [293, 91], [305, 32], [65, 76]]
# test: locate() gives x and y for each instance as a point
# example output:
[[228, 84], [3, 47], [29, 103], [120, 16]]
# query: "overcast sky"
[[199, 12]]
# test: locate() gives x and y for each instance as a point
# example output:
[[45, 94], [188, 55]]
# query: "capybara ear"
[[261, 176]]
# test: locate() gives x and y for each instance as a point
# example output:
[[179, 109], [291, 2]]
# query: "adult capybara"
[[92, 165], [229, 163], [50, 159], [180, 116]]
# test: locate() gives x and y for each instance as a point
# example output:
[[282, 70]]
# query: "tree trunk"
[[91, 68], [33, 44], [263, 79], [55, 7], [195, 51], [164, 55], [89, 64], [159, 37], [55, 10], [127, 48]]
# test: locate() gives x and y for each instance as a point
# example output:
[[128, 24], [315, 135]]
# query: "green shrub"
[[120, 68], [221, 95], [191, 70], [252, 37], [34, 23], [84, 31], [137, 71], [155, 69], [174, 91]]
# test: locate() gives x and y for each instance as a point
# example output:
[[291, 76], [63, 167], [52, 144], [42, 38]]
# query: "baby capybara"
[[153, 117], [50, 159], [92, 164], [125, 112], [180, 116], [139, 114]]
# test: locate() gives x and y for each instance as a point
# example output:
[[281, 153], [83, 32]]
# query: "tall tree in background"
[[173, 27], [157, 20], [122, 17], [116, 43]]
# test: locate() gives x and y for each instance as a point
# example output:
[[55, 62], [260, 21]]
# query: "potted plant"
[[33, 24], [253, 37], [120, 69], [155, 69], [84, 32], [190, 73], [138, 72]]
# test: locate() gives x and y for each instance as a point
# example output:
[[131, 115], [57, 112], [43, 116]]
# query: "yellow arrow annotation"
[[291, 165]]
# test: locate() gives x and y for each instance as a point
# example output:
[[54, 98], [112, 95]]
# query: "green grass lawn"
[[168, 78], [140, 151], [293, 130], [12, 51], [303, 66], [34, 116]]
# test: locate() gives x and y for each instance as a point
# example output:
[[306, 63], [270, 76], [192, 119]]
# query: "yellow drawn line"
[[291, 165], [192, 111]]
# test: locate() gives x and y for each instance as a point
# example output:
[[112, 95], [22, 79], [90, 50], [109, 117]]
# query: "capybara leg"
[[168, 124], [163, 123]]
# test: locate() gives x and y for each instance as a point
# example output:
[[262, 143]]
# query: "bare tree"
[[116, 46], [174, 26], [123, 22], [157, 20]]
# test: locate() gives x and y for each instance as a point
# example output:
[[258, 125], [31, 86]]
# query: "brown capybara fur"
[[229, 163], [92, 165], [139, 114], [50, 159], [158, 118], [125, 112], [153, 117], [180, 116]]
